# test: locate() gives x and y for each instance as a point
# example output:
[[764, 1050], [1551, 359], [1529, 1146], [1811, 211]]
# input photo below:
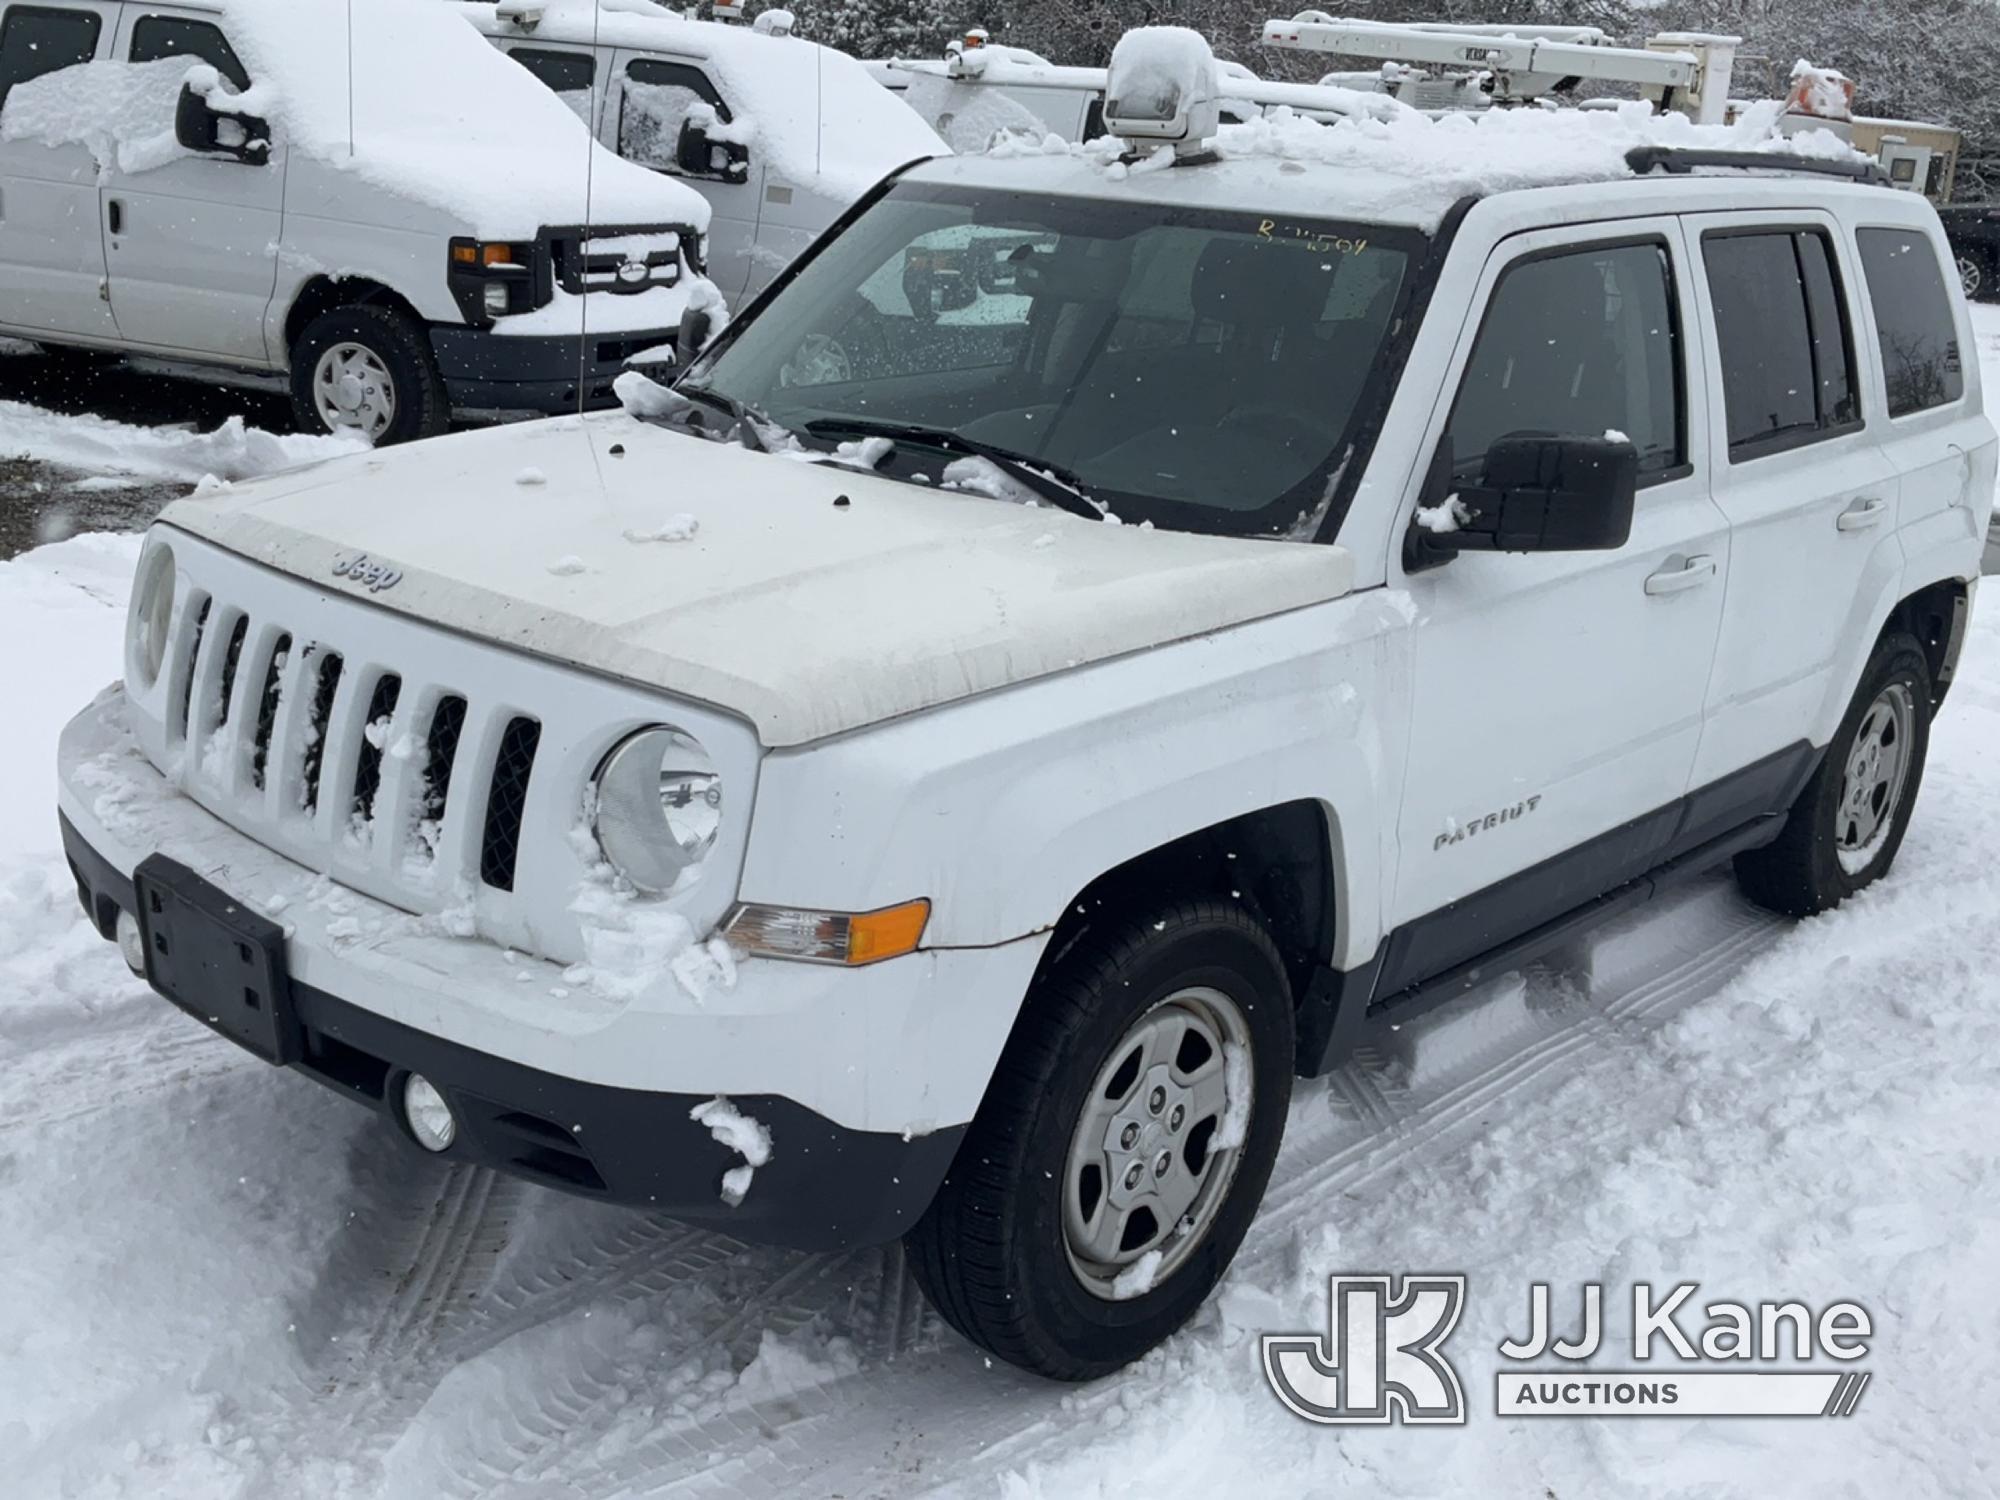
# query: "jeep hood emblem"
[[372, 575]]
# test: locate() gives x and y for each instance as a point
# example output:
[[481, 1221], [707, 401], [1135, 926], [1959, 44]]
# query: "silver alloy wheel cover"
[[1144, 1132], [1873, 780], [353, 391], [1971, 275]]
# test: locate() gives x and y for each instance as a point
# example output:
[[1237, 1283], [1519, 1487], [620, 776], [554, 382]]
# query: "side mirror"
[[1536, 493], [201, 127], [697, 327], [699, 154]]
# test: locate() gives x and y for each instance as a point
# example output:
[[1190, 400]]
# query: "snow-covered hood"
[[805, 617]]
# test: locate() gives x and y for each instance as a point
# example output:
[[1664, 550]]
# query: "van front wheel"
[[369, 371]]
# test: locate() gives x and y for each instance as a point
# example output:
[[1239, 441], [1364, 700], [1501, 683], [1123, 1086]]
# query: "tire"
[[1975, 274], [994, 1252], [1829, 848], [387, 351]]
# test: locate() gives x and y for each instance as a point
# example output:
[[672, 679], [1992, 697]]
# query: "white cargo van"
[[780, 135], [362, 197]]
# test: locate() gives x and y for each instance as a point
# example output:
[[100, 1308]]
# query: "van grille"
[[593, 259]]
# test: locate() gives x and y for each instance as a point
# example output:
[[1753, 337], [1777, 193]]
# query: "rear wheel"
[[368, 370], [1123, 1145], [1844, 830]]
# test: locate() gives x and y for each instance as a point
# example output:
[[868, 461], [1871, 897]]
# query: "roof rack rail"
[[1681, 160]]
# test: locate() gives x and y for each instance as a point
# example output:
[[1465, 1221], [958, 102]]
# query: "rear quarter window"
[[1921, 363], [37, 39]]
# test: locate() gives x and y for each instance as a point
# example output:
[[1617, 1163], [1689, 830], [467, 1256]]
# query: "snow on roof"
[[1407, 170], [815, 113], [435, 115]]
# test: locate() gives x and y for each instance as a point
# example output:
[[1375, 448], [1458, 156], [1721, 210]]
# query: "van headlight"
[[151, 616], [659, 807]]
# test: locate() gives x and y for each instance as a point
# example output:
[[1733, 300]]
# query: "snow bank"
[[814, 114], [233, 451]]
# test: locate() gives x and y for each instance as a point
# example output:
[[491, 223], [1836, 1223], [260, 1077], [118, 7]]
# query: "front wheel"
[[1974, 276], [368, 370], [1843, 832], [1123, 1145]]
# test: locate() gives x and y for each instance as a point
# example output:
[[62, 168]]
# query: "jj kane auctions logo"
[[1381, 1358]]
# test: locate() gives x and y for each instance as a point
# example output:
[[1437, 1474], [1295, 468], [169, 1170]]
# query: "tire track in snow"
[[104, 1070], [1357, 1133]]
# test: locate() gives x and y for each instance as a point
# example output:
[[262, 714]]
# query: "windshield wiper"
[[749, 421], [1059, 487]]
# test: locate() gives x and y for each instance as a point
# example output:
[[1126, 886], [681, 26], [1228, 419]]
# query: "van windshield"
[[1204, 370]]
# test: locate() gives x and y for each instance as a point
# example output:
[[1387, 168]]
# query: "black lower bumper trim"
[[488, 371], [825, 1187]]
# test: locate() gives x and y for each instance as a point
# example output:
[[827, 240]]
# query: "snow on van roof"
[[434, 114], [815, 113], [1407, 170]]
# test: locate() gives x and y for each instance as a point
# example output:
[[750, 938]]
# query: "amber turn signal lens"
[[828, 937]]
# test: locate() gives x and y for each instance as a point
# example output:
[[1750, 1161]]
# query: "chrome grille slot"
[[185, 664], [440, 752], [267, 709], [376, 728], [507, 801], [326, 682]]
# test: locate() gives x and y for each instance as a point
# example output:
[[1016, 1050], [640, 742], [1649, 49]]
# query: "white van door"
[[653, 117], [193, 245], [52, 272]]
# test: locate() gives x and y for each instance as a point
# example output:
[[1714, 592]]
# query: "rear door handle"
[[1863, 514], [114, 215], [1681, 573]]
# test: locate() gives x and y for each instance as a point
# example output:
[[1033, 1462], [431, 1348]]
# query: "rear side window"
[[38, 39], [155, 37], [1578, 344], [563, 72], [1913, 320], [1787, 362]]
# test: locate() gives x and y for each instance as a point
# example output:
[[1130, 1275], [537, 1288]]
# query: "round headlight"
[[659, 807], [152, 613]]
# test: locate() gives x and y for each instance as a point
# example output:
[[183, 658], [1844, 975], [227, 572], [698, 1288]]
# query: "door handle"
[[1863, 514], [1681, 573], [114, 215]]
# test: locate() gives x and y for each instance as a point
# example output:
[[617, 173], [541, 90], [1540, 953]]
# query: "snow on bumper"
[[896, 1054]]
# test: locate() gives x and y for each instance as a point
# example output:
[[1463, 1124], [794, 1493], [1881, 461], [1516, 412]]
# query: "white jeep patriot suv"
[[1107, 630]]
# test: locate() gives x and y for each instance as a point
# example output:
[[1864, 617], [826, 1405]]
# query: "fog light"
[[132, 943], [429, 1117], [496, 298]]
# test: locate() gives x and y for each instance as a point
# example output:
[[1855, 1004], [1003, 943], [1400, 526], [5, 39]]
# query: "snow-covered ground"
[[220, 1280]]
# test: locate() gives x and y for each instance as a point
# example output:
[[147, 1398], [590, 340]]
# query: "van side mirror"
[[202, 128], [1535, 493], [697, 327], [699, 154]]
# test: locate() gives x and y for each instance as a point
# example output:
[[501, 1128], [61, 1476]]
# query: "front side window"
[[155, 37], [1921, 364], [1781, 324], [570, 76], [40, 39], [661, 100], [1200, 369], [1584, 343]]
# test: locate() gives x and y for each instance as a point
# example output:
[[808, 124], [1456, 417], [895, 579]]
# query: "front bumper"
[[866, 1078], [488, 371]]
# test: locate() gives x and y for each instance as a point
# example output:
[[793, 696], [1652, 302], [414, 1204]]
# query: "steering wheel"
[[819, 360]]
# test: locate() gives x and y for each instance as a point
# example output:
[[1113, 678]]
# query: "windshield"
[[1199, 369]]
